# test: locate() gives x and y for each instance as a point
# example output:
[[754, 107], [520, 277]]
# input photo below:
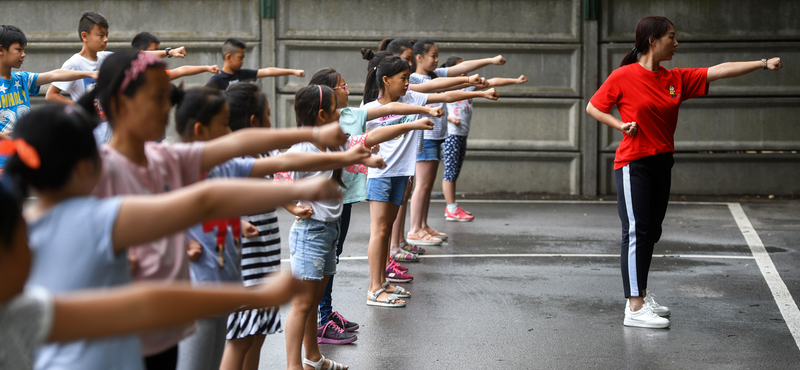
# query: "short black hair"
[[232, 46], [11, 34], [89, 20], [142, 40]]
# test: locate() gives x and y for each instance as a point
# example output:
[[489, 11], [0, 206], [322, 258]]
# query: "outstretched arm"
[[454, 96], [400, 109], [500, 81], [252, 141], [144, 218], [272, 71], [468, 66], [147, 306], [175, 52], [385, 133], [736, 69], [629, 128], [447, 83], [191, 70], [308, 161], [63, 75], [54, 95]]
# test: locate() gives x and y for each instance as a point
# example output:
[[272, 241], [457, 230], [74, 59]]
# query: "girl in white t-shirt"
[[426, 59], [134, 90], [312, 241], [81, 241], [387, 82]]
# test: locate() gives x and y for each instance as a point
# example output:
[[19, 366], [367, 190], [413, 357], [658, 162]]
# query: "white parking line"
[[787, 305], [555, 255]]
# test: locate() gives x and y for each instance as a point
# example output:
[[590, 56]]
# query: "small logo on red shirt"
[[672, 93]]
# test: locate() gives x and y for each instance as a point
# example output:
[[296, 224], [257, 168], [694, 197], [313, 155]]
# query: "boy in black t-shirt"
[[232, 71]]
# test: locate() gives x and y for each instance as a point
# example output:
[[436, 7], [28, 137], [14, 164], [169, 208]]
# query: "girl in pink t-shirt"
[[134, 90]]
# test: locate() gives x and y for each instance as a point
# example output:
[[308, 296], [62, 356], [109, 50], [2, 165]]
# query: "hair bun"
[[367, 54], [176, 93]]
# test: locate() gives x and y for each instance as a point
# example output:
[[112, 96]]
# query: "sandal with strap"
[[425, 239], [416, 249], [401, 255], [332, 365], [398, 291], [435, 234], [392, 301]]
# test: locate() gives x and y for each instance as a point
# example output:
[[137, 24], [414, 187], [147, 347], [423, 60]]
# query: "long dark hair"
[[649, 27], [196, 104], [382, 64], [245, 99], [307, 103], [420, 48], [62, 136], [109, 81]]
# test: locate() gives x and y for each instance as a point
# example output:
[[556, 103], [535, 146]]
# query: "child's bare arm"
[[445, 83], [173, 52], [144, 218], [500, 81], [468, 66], [454, 120], [63, 75], [454, 96], [401, 109], [272, 71], [183, 71], [308, 161], [146, 306], [385, 133], [303, 212], [252, 141], [54, 95]]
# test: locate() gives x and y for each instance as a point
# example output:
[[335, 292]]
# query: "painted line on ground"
[[556, 255], [786, 304], [554, 201]]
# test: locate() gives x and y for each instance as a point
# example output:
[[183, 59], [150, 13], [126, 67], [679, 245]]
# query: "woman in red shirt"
[[648, 96]]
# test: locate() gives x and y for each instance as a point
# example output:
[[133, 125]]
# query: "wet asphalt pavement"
[[541, 289]]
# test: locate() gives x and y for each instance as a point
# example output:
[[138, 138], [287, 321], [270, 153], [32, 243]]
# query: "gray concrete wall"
[[743, 138]]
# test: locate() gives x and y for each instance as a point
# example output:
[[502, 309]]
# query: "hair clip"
[[635, 50], [138, 65], [26, 153]]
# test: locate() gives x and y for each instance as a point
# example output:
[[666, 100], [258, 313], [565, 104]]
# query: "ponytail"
[[651, 27]]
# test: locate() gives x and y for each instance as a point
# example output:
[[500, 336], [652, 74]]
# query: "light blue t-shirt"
[[72, 250], [354, 122], [439, 131], [222, 232], [15, 100]]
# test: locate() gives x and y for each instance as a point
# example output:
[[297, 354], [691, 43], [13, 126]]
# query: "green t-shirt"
[[354, 122]]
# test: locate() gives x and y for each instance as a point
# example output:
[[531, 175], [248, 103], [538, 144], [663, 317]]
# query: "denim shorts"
[[431, 150], [387, 189], [312, 248]]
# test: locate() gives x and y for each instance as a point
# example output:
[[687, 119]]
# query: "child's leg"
[[326, 304], [297, 321], [235, 352], [254, 353], [382, 215], [454, 151], [425, 176], [399, 225], [310, 336]]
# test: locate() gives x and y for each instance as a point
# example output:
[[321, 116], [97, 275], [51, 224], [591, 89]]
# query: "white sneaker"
[[644, 318], [659, 310]]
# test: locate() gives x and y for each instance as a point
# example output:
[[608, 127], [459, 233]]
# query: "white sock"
[[452, 207]]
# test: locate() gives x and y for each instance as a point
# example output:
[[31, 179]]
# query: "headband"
[[320, 96], [138, 65], [26, 153]]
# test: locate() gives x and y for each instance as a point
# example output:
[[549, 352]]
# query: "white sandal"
[[332, 365], [399, 291], [392, 301]]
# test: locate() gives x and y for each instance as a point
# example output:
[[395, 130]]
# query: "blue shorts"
[[312, 248], [431, 150], [387, 189]]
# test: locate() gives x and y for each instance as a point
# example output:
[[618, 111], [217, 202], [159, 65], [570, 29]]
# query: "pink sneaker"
[[398, 266], [464, 210], [394, 275], [459, 215]]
